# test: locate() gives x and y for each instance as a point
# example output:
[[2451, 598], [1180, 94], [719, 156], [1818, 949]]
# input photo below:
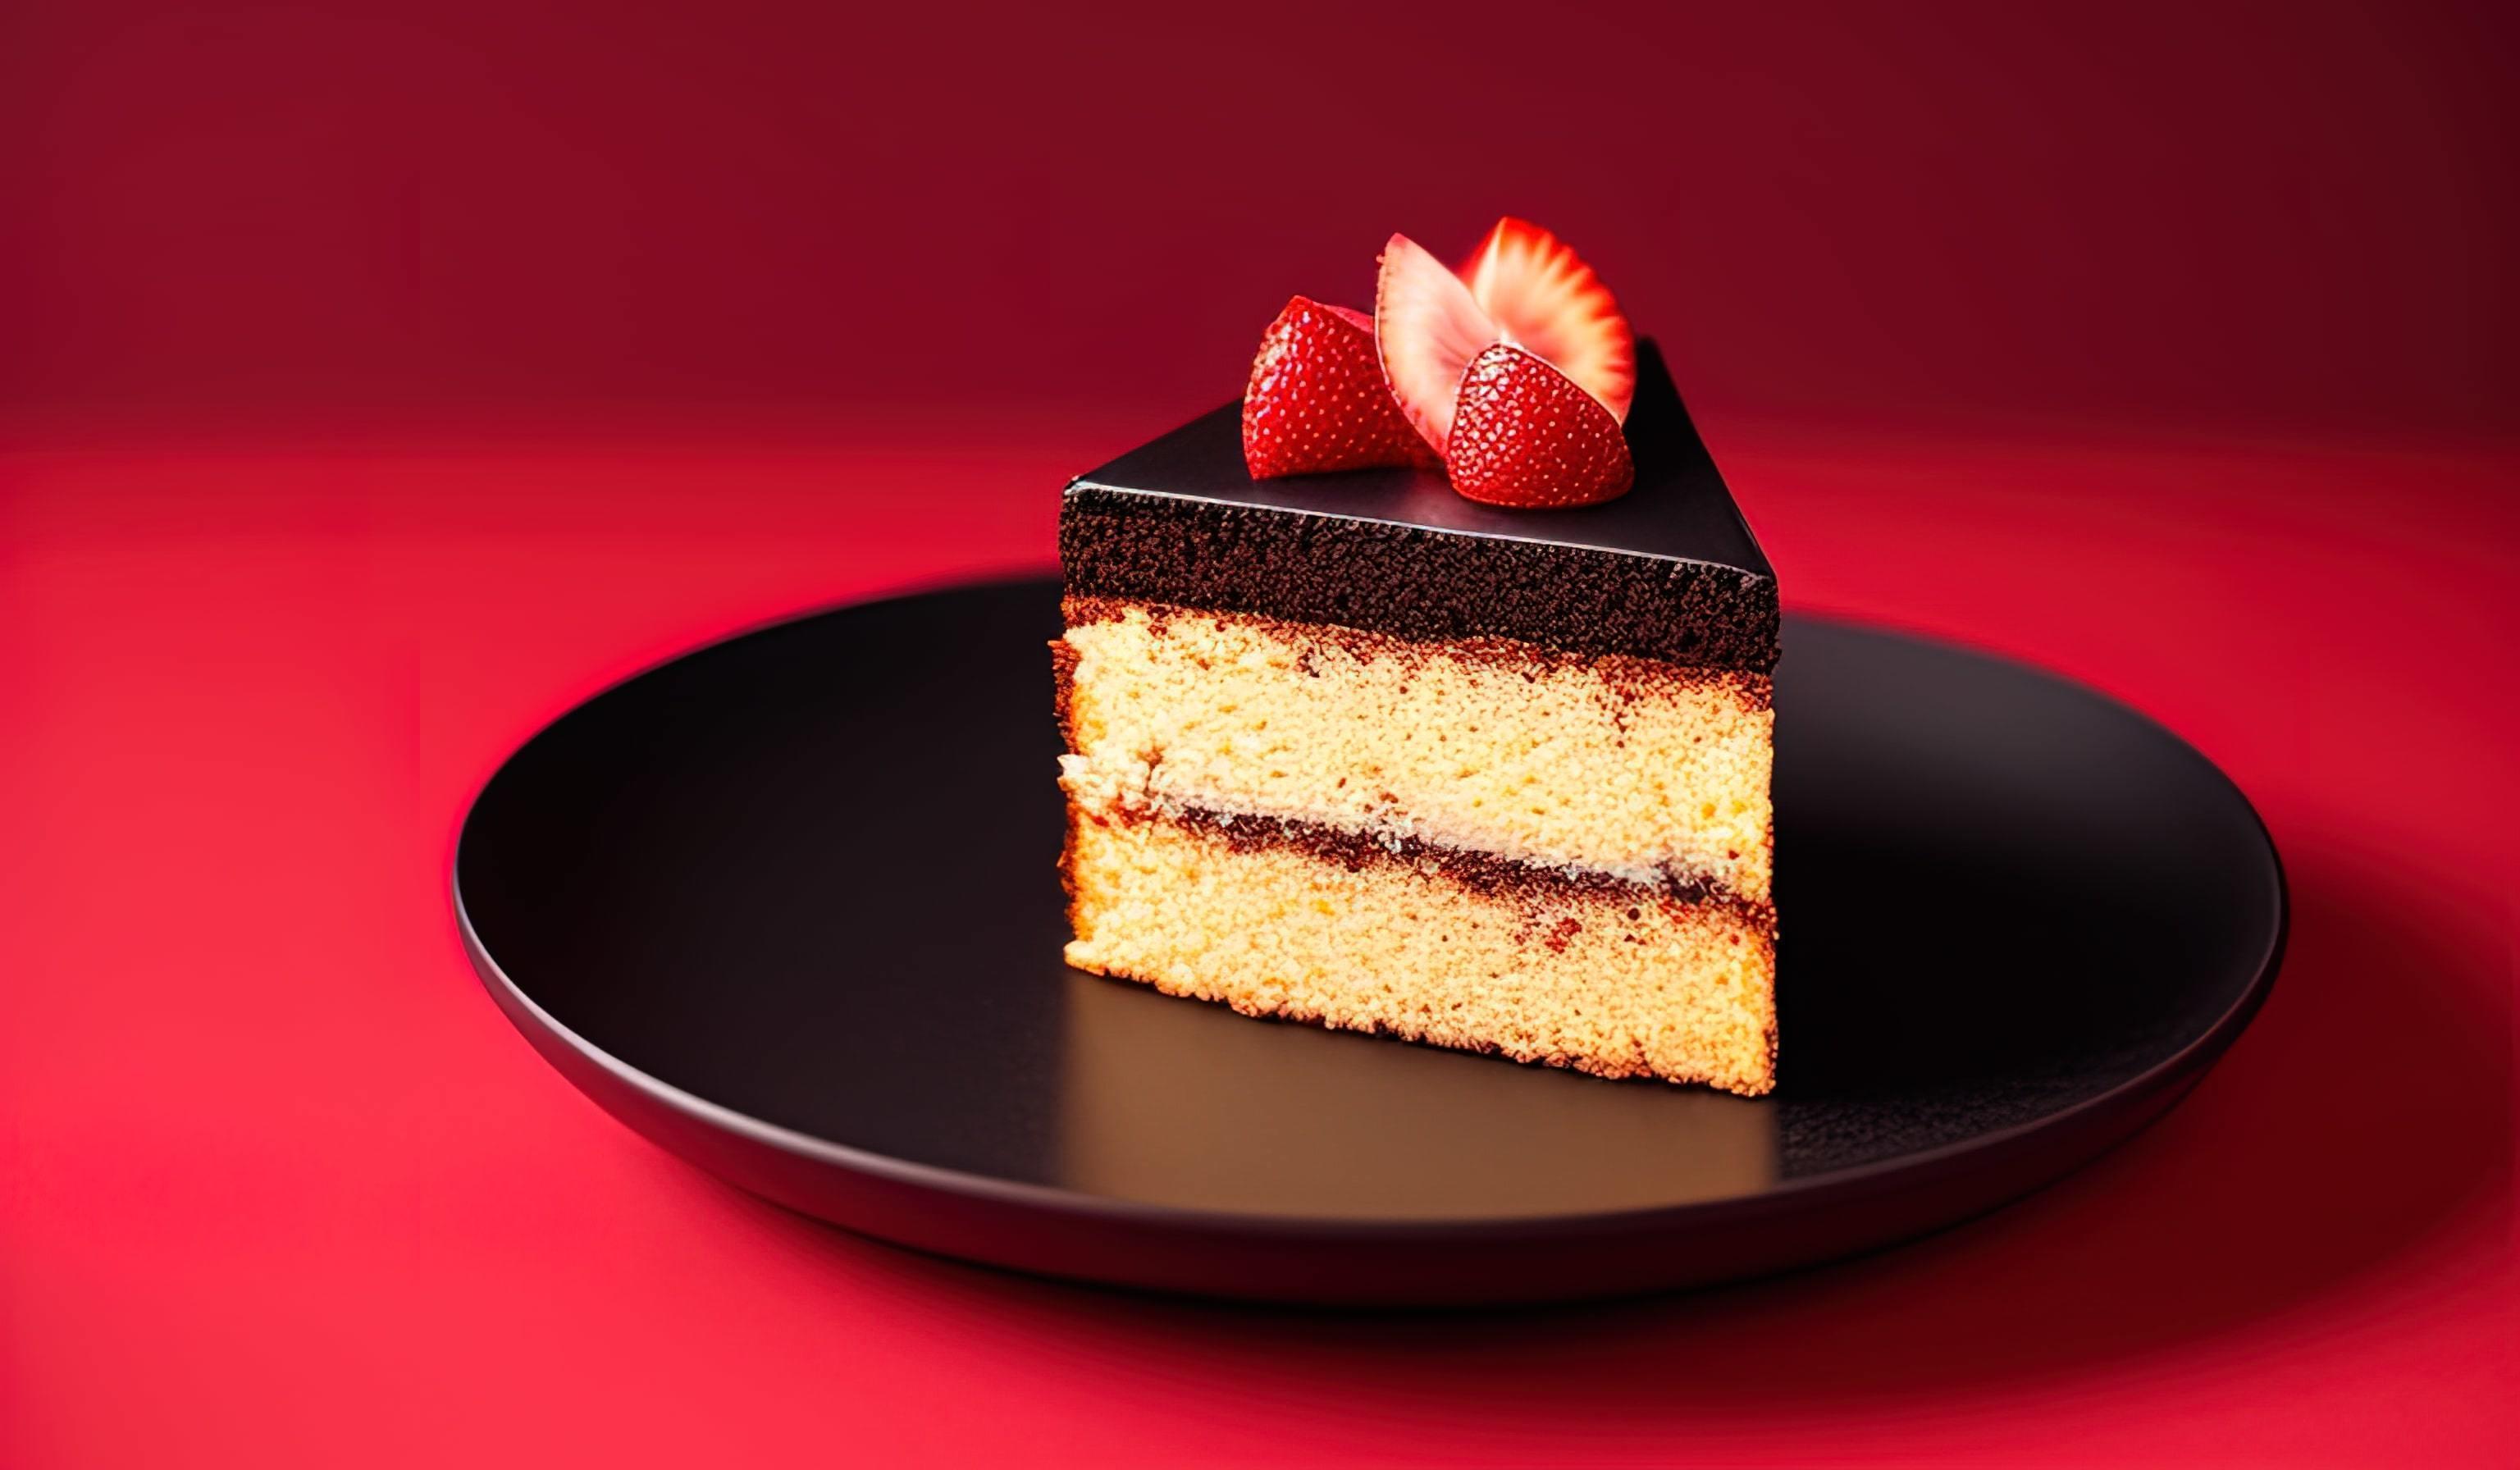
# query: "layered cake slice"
[[1356, 749]]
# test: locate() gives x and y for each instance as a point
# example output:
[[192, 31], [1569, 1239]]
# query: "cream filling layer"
[[1646, 772]]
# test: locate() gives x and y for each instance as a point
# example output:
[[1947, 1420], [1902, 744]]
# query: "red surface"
[[281, 1187], [380, 379]]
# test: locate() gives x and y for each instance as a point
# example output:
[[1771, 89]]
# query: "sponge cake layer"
[[1457, 950], [1648, 771]]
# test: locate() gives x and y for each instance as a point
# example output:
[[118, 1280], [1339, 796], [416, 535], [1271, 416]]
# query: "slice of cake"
[[1353, 748]]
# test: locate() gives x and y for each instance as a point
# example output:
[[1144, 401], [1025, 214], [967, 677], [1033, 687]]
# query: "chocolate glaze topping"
[[1667, 571]]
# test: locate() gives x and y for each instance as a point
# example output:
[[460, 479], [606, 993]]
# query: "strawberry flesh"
[[1543, 297], [1428, 329], [1317, 401], [1526, 435]]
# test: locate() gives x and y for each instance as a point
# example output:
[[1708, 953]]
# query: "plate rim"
[[2187, 1063]]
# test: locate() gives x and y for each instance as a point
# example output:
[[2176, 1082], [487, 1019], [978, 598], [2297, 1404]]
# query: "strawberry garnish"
[[1543, 297], [1527, 435], [1427, 329], [1516, 380], [1520, 376], [1317, 401]]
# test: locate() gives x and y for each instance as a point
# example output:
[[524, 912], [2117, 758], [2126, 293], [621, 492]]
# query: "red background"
[[2285, 215], [375, 382]]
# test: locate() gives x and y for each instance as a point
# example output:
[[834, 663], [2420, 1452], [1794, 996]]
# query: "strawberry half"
[[1317, 401], [1532, 344], [1541, 296], [1525, 435], [1427, 329]]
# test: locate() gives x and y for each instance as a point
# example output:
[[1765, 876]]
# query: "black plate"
[[787, 907]]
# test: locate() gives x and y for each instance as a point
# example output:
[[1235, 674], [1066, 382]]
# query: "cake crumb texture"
[[1601, 977], [1648, 770]]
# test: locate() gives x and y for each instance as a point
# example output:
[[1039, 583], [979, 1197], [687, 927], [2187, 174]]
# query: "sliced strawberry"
[[1527, 435], [1541, 296], [1317, 400], [1427, 329]]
